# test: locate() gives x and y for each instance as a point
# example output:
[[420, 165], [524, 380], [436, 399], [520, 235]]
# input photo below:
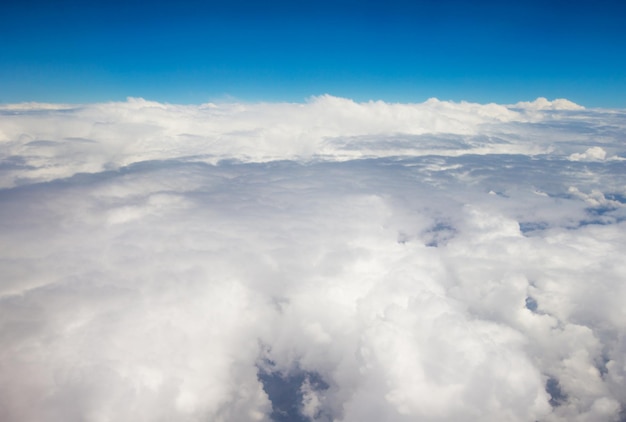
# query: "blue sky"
[[194, 51]]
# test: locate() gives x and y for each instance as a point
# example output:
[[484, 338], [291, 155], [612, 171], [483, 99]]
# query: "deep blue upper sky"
[[192, 51]]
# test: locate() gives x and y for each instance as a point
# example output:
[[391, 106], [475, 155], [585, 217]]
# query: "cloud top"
[[324, 261], [542, 103], [44, 142]]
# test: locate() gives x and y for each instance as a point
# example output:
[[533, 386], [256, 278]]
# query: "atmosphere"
[[192, 52], [312, 211]]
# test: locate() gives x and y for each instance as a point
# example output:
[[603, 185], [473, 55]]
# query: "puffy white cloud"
[[542, 103], [328, 261], [593, 154], [42, 142]]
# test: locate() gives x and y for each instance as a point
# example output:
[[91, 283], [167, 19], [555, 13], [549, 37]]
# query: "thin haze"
[[325, 261]]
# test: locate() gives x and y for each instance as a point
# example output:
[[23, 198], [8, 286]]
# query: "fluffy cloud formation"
[[325, 261], [43, 142], [542, 103]]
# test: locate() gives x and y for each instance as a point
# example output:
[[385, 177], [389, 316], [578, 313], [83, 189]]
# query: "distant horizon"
[[540, 102], [253, 99], [401, 51]]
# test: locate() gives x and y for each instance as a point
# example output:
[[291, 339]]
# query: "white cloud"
[[42, 142], [542, 103], [437, 261], [591, 154]]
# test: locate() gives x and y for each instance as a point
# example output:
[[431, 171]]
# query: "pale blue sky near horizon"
[[198, 51]]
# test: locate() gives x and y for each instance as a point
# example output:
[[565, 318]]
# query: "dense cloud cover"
[[325, 261]]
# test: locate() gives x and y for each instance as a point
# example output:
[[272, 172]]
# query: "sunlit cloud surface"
[[323, 261]]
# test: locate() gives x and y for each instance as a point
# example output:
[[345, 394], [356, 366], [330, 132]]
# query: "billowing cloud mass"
[[324, 261]]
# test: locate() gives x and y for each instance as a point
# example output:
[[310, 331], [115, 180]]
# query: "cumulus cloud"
[[324, 261], [542, 103], [591, 154], [594, 154], [41, 142]]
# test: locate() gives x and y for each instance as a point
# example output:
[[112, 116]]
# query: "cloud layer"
[[436, 261]]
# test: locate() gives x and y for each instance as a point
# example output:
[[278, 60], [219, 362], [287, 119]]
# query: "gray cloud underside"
[[391, 262]]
